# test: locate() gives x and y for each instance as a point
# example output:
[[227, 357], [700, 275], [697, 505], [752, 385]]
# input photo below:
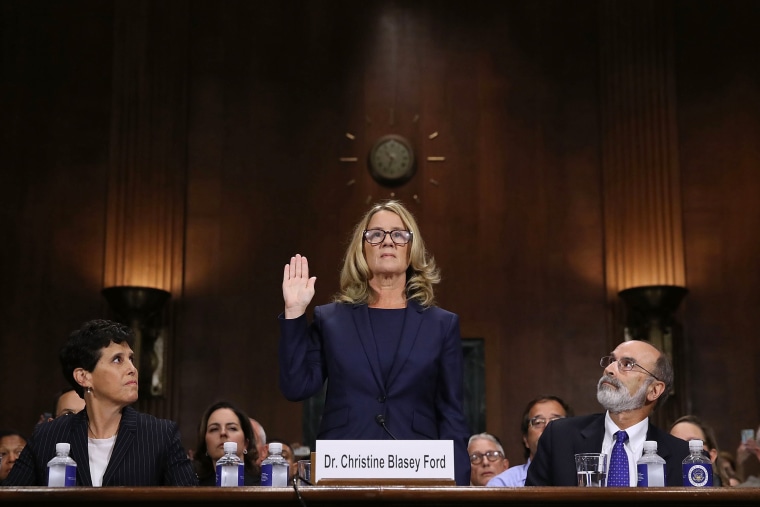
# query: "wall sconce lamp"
[[137, 306], [649, 314]]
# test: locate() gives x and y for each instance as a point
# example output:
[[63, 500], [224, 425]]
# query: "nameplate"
[[384, 459]]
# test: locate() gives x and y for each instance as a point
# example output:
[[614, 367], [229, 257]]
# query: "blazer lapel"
[[593, 436], [79, 447], [124, 440], [364, 330], [412, 322]]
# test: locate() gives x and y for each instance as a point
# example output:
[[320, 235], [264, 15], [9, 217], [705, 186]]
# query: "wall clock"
[[391, 160]]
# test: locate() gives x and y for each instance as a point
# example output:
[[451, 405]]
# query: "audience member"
[[301, 451], [11, 444], [289, 455], [112, 443], [261, 441], [537, 414], [691, 427], [748, 461], [727, 462], [68, 402], [486, 458], [637, 377], [224, 422]]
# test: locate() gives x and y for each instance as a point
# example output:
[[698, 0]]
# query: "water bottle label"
[[697, 475], [266, 474], [650, 475], [275, 475], [71, 475], [230, 476], [62, 476]]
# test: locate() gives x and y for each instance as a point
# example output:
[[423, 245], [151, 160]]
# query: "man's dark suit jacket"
[[554, 462], [422, 398], [147, 452]]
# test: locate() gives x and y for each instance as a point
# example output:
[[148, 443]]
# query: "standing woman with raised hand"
[[393, 359], [112, 443]]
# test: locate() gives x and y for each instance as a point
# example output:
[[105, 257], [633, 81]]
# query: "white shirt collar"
[[634, 447]]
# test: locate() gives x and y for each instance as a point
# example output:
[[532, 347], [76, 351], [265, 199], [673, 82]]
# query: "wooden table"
[[367, 496]]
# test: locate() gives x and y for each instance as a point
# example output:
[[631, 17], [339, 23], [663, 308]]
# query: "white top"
[[230, 447], [634, 447], [100, 450]]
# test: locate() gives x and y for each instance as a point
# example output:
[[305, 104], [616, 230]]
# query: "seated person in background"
[[748, 461], [68, 402], [637, 377], [224, 422], [691, 427], [538, 413], [486, 458], [11, 444], [728, 464], [288, 454], [261, 441], [112, 443]]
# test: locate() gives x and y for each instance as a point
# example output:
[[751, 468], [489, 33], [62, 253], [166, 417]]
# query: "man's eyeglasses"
[[540, 423], [476, 458], [624, 364], [377, 236]]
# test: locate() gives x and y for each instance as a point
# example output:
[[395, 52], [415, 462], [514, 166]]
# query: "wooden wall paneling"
[[146, 183], [719, 124], [640, 165], [55, 86], [273, 86]]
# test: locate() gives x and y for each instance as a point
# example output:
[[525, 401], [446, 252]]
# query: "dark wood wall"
[[235, 113]]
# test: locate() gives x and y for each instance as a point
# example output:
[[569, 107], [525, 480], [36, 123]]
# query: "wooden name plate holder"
[[383, 463]]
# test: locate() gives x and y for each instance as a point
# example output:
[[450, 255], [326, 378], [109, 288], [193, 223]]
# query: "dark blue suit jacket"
[[147, 452], [554, 462], [422, 398]]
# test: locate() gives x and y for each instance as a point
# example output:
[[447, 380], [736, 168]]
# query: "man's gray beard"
[[619, 400]]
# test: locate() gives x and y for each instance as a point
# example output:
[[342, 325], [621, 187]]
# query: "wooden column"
[[639, 158], [146, 185]]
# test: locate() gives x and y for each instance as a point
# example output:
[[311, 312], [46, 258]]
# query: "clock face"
[[391, 160]]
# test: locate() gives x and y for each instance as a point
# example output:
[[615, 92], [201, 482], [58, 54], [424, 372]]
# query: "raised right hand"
[[297, 287]]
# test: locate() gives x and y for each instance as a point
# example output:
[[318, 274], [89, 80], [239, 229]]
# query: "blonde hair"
[[421, 274]]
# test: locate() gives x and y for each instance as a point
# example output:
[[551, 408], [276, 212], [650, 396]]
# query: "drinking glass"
[[592, 469]]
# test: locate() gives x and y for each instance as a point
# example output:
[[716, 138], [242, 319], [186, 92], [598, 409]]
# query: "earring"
[[89, 390], [245, 451]]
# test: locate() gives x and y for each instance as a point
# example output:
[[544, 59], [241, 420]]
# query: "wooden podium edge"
[[386, 482]]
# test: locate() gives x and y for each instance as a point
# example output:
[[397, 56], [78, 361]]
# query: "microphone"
[[380, 418]]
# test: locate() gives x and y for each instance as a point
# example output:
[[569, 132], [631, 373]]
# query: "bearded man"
[[637, 378]]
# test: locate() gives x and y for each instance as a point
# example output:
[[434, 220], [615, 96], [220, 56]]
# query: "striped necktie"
[[618, 475]]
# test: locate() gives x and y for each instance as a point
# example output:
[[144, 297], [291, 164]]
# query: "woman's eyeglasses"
[[377, 236]]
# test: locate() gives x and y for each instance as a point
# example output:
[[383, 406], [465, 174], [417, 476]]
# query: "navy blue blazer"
[[554, 462], [147, 452], [422, 398]]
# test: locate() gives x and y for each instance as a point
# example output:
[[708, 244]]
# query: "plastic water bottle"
[[697, 468], [275, 469], [62, 470], [230, 471], [650, 468]]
